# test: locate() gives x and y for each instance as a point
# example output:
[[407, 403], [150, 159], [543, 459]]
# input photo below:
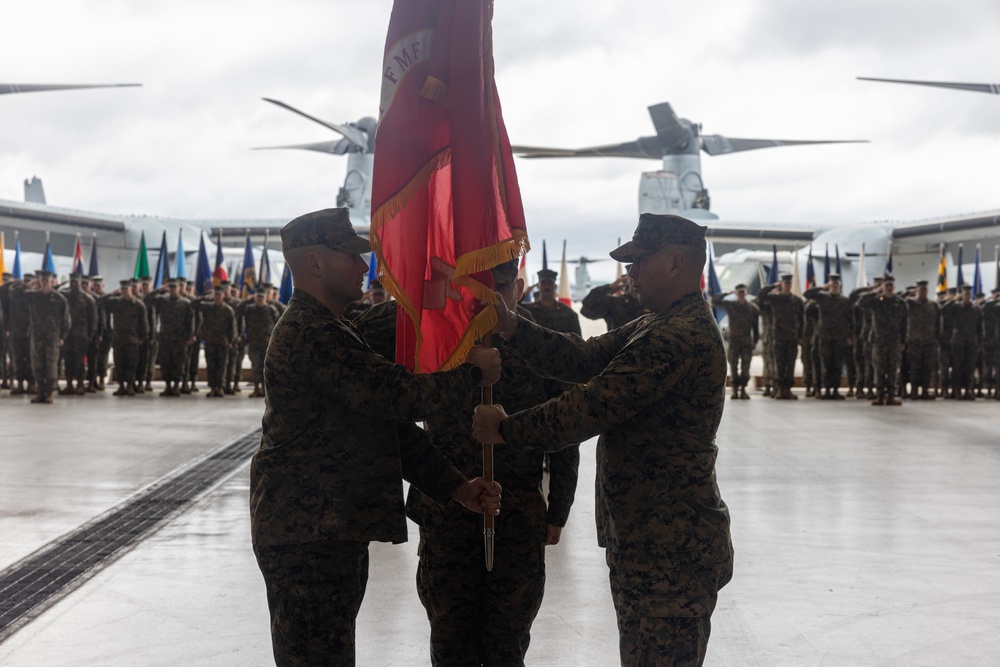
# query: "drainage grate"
[[35, 583]]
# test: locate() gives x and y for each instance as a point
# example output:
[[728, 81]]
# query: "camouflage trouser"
[[102, 356], [944, 365], [479, 617], [142, 361], [767, 352], [45, 363], [126, 362], [964, 352], [256, 355], [75, 353], [832, 352], [809, 370], [235, 364], [739, 356], [93, 354], [664, 605], [154, 354], [216, 361], [852, 367], [863, 380], [22, 359], [191, 362], [885, 361], [314, 592], [171, 360], [923, 358], [784, 363], [4, 373]]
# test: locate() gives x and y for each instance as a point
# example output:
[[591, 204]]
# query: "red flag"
[[446, 207], [77, 257]]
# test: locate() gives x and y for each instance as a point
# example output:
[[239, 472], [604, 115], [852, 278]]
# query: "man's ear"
[[519, 292]]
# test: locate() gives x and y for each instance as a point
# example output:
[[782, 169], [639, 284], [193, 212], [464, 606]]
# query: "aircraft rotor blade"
[[634, 149], [992, 88], [716, 144], [669, 127], [353, 135], [10, 88], [335, 147]]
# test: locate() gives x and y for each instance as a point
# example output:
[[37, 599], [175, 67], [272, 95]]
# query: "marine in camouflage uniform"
[[788, 316], [192, 352], [966, 329], [149, 348], [991, 342], [20, 338], [945, 380], [235, 366], [219, 333], [888, 337], [338, 439], [50, 324], [767, 349], [83, 315], [835, 333], [655, 390], [811, 365], [614, 303], [105, 332], [177, 325], [743, 336], [922, 324], [6, 374], [130, 327], [549, 312], [479, 617], [259, 318]]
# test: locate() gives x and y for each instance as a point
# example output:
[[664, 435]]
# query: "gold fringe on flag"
[[435, 90]]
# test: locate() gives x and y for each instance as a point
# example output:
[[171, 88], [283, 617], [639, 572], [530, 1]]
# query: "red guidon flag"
[[446, 207]]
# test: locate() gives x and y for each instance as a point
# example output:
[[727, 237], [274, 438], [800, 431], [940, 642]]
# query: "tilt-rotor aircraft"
[[678, 188], [118, 237]]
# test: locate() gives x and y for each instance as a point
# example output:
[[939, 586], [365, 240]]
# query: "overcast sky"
[[570, 74]]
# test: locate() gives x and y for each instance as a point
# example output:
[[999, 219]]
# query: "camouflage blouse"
[[654, 391]]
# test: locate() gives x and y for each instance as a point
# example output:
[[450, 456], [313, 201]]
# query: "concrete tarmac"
[[864, 536]]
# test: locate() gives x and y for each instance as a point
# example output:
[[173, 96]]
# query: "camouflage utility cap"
[[547, 274], [655, 232], [330, 227], [504, 274]]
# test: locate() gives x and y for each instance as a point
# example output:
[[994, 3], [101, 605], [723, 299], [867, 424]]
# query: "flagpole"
[[488, 525]]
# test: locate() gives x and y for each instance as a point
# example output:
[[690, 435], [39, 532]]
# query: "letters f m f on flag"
[[446, 207]]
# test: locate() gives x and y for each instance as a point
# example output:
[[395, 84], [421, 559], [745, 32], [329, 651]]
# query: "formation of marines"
[[889, 344], [80, 327]]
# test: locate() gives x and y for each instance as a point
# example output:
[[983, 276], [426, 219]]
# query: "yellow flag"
[[3, 266]]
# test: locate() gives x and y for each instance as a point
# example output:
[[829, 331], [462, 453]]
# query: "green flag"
[[142, 261]]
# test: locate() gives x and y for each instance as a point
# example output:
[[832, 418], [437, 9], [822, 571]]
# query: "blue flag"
[[17, 272], [48, 263], [773, 275], [959, 279], [285, 294], [181, 270], [372, 270], [248, 276], [265, 266], [203, 271], [977, 278], [888, 262], [826, 264], [811, 272], [545, 256], [93, 257], [162, 274], [837, 248]]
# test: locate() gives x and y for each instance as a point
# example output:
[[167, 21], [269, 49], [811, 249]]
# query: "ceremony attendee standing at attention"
[[338, 439], [744, 333], [788, 316], [654, 391], [549, 311], [835, 334]]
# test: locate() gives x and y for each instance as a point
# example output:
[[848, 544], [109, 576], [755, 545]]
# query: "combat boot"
[[80, 389], [850, 392], [120, 391], [736, 392], [91, 388], [194, 388], [880, 400], [149, 386], [228, 390], [18, 390], [39, 398], [185, 389], [68, 389], [167, 391], [836, 395], [892, 400], [136, 388], [48, 398], [131, 390], [236, 387], [743, 394]]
